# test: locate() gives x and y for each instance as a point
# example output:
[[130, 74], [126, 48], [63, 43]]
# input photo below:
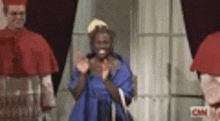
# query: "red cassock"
[[25, 52], [207, 59]]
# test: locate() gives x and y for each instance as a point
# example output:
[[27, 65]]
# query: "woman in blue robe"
[[97, 78]]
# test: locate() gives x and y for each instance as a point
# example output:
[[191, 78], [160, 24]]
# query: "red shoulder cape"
[[25, 52], [207, 59]]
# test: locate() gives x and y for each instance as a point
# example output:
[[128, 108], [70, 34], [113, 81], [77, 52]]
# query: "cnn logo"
[[199, 111]]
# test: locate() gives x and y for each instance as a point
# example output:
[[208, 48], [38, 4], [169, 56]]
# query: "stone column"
[[183, 81], [80, 42]]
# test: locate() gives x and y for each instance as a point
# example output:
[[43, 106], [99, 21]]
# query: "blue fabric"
[[95, 100]]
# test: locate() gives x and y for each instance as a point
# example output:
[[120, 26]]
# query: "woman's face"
[[102, 45]]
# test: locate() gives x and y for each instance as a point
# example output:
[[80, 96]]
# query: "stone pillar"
[[80, 42], [183, 81]]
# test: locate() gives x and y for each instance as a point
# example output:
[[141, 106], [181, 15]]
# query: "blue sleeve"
[[74, 78], [123, 80]]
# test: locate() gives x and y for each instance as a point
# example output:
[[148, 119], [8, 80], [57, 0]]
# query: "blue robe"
[[95, 101]]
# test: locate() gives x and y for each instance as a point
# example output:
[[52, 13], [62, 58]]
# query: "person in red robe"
[[207, 62], [26, 65]]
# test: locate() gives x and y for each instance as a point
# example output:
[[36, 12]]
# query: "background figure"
[[26, 64], [207, 63], [97, 77]]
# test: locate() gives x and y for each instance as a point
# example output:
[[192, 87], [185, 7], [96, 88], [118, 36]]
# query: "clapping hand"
[[83, 66], [82, 63]]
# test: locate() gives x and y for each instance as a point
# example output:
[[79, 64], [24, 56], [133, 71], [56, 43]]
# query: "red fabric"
[[31, 49], [14, 2], [207, 58]]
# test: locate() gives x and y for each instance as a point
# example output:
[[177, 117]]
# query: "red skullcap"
[[207, 59], [14, 2]]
